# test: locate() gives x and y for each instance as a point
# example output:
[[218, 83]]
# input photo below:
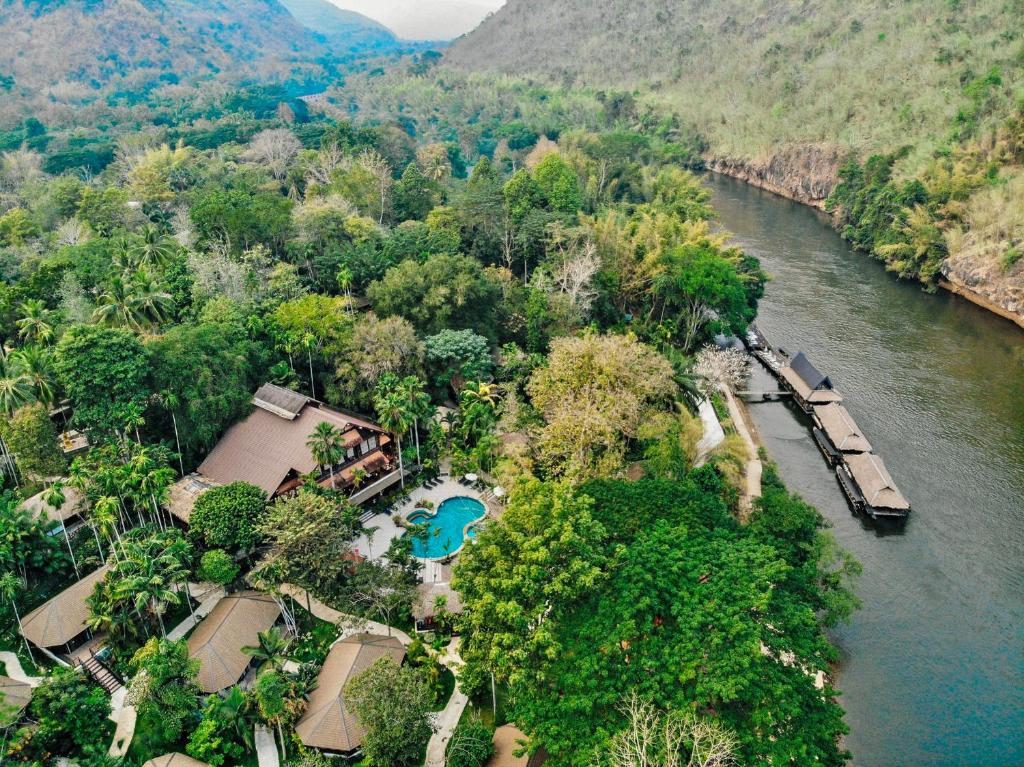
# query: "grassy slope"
[[73, 54], [783, 90], [869, 75]]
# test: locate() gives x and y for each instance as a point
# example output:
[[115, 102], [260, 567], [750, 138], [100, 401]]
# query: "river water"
[[932, 669]]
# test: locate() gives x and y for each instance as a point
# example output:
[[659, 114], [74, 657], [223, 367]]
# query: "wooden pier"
[[862, 476]]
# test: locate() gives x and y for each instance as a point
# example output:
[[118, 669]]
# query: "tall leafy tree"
[[103, 371], [163, 691]]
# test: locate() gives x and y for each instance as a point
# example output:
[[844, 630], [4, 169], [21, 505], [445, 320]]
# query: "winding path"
[[15, 671], [446, 720], [349, 624]]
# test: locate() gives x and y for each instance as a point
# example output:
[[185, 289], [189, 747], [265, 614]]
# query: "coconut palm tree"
[[236, 713], [153, 301], [10, 586], [104, 515], [54, 497], [326, 446], [272, 650], [153, 249], [395, 416], [118, 306], [36, 322], [36, 365], [15, 388], [146, 577]]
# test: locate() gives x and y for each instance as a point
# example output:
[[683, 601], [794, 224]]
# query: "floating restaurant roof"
[[62, 618], [875, 483], [328, 724], [218, 640], [810, 384], [841, 429]]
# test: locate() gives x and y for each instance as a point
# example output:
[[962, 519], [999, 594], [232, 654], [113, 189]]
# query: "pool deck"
[[376, 545]]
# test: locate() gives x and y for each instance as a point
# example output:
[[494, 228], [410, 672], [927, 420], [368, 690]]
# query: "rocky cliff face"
[[802, 172]]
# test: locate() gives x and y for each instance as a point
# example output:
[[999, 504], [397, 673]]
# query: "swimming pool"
[[446, 529]]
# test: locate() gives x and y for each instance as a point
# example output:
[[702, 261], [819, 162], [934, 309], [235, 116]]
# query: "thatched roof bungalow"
[[328, 724], [217, 642], [62, 619]]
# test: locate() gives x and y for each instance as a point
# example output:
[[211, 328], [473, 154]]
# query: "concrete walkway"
[[754, 468], [266, 747], [446, 720], [714, 434], [123, 716], [349, 624], [205, 608], [15, 671]]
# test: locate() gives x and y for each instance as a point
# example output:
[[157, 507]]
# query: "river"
[[932, 667]]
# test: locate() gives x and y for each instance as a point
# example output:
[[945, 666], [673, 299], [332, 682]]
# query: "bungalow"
[[14, 699], [71, 507], [270, 449], [217, 642], [61, 621], [328, 724], [810, 386], [174, 760]]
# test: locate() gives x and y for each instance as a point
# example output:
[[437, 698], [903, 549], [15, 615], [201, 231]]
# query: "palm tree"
[[393, 412], [153, 249], [35, 364], [235, 712], [153, 302], [104, 515], [10, 586], [36, 323], [480, 392], [15, 388], [54, 498], [415, 392], [272, 649], [169, 400], [118, 306], [326, 446], [147, 576]]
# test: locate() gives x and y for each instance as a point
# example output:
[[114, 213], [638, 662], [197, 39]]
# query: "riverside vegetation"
[[156, 293]]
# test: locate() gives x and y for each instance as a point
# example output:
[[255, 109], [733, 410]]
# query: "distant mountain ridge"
[[76, 60], [339, 26]]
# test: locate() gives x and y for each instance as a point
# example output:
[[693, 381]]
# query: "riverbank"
[[929, 666], [779, 178]]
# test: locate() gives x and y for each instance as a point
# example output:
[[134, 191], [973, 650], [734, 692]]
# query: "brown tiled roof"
[[62, 618], [874, 481], [174, 760], [217, 641], [328, 724], [507, 740], [284, 403], [841, 429], [815, 396], [264, 448], [72, 505], [14, 697], [181, 498]]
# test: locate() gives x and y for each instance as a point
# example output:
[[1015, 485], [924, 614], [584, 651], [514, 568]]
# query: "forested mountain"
[[59, 57], [347, 30], [785, 93]]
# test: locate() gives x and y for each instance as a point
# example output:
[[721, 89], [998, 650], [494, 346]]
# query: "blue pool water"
[[446, 527]]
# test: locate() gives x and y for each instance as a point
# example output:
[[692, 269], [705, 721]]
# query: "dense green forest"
[[547, 274]]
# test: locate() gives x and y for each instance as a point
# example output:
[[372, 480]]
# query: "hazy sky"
[[425, 19]]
